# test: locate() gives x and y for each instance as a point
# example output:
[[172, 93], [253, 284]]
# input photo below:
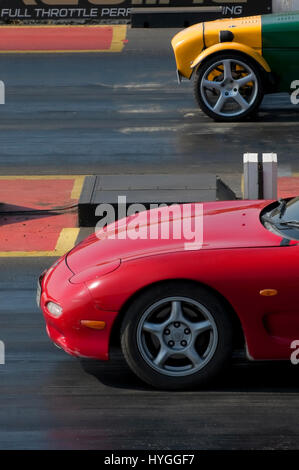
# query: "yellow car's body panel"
[[192, 45], [187, 45], [246, 31], [229, 46]]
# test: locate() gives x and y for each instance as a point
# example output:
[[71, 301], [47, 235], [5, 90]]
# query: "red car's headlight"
[[54, 309]]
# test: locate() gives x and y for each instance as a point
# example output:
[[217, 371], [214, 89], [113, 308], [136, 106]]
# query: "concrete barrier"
[[102, 192], [285, 5]]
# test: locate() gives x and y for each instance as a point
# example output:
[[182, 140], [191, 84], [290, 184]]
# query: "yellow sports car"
[[236, 61]]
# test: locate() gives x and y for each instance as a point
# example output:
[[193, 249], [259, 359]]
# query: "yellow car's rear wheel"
[[228, 87]]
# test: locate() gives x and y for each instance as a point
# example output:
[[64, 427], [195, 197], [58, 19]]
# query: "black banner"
[[53, 10]]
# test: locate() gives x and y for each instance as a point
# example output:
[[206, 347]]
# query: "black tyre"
[[176, 335], [229, 87]]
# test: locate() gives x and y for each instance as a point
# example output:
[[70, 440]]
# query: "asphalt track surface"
[[124, 112]]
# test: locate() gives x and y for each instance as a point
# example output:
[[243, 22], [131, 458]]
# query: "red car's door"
[[266, 298]]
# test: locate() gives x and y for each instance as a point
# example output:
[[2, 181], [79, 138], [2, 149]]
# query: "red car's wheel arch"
[[238, 333]]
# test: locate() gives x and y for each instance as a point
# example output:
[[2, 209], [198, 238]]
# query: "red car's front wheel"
[[176, 335]]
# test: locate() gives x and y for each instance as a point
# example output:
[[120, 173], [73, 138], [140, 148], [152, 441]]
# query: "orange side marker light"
[[268, 292], [93, 324]]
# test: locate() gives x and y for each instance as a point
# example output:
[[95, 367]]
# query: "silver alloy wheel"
[[233, 89], [177, 336]]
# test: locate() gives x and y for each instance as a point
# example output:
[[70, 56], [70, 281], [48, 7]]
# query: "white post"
[[2, 92], [270, 175], [251, 180], [2, 353]]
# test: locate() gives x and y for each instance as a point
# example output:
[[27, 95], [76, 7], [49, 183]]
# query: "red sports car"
[[179, 309]]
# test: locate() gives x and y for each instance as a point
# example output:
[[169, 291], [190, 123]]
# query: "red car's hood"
[[223, 225]]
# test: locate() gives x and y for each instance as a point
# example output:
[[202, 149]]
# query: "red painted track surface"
[[288, 186], [56, 38], [34, 232]]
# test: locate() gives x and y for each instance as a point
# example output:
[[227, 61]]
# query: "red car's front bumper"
[[67, 331]]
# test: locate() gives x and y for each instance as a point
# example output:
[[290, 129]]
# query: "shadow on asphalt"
[[11, 214], [265, 114], [241, 376], [277, 115], [277, 108]]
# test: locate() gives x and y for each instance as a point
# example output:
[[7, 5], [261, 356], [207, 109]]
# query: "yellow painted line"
[[65, 243], [66, 240], [78, 181], [77, 188], [119, 35], [68, 236]]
